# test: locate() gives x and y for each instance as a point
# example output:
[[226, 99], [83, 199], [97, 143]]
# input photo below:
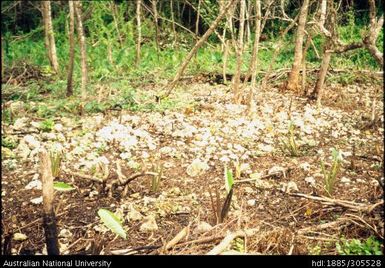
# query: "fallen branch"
[[182, 234], [229, 238], [343, 203], [83, 176], [339, 223]]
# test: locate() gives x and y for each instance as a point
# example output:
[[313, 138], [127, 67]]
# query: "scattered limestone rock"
[[65, 233], [310, 180], [20, 123], [37, 201], [16, 107], [149, 225], [289, 187], [249, 190], [251, 202], [305, 166], [19, 237], [133, 214], [58, 127], [345, 180], [197, 167], [34, 184], [203, 227], [277, 170], [31, 142]]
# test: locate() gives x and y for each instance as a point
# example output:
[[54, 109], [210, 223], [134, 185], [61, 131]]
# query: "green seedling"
[[47, 125], [220, 209], [112, 222], [331, 176], [289, 146], [56, 158], [155, 180]]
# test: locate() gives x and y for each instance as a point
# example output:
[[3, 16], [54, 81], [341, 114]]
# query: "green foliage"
[[62, 187], [94, 107], [315, 250], [229, 179], [370, 246], [42, 110], [155, 180], [9, 142], [221, 209], [239, 244], [111, 221], [56, 159], [330, 177], [290, 146], [47, 125]]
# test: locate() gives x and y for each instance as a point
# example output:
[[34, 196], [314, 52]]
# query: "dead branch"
[[83, 176], [229, 238], [343, 203]]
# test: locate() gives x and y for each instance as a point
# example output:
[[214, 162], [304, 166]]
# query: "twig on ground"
[[229, 238], [343, 203]]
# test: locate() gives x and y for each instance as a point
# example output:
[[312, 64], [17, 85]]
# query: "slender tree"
[[254, 56], [239, 54], [139, 31], [173, 23], [293, 80], [374, 30], [49, 35], [156, 17], [83, 52], [199, 43], [72, 48], [335, 45], [198, 15], [116, 23]]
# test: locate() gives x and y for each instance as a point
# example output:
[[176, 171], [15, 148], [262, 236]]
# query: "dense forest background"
[[192, 127]]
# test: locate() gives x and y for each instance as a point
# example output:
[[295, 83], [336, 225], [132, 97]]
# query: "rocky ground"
[[280, 197]]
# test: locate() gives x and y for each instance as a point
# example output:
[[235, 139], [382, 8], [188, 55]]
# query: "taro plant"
[[155, 180], [112, 222], [220, 209], [62, 186], [56, 158], [290, 146], [331, 175]]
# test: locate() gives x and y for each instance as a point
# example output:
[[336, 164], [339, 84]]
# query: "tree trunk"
[[293, 80], [318, 90], [115, 17], [139, 32], [305, 49], [276, 51], [72, 49], [254, 57], [49, 219], [225, 57], [374, 29], [2, 58], [328, 50], [239, 54], [83, 52], [199, 43], [197, 20], [173, 23], [155, 10], [49, 35]]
